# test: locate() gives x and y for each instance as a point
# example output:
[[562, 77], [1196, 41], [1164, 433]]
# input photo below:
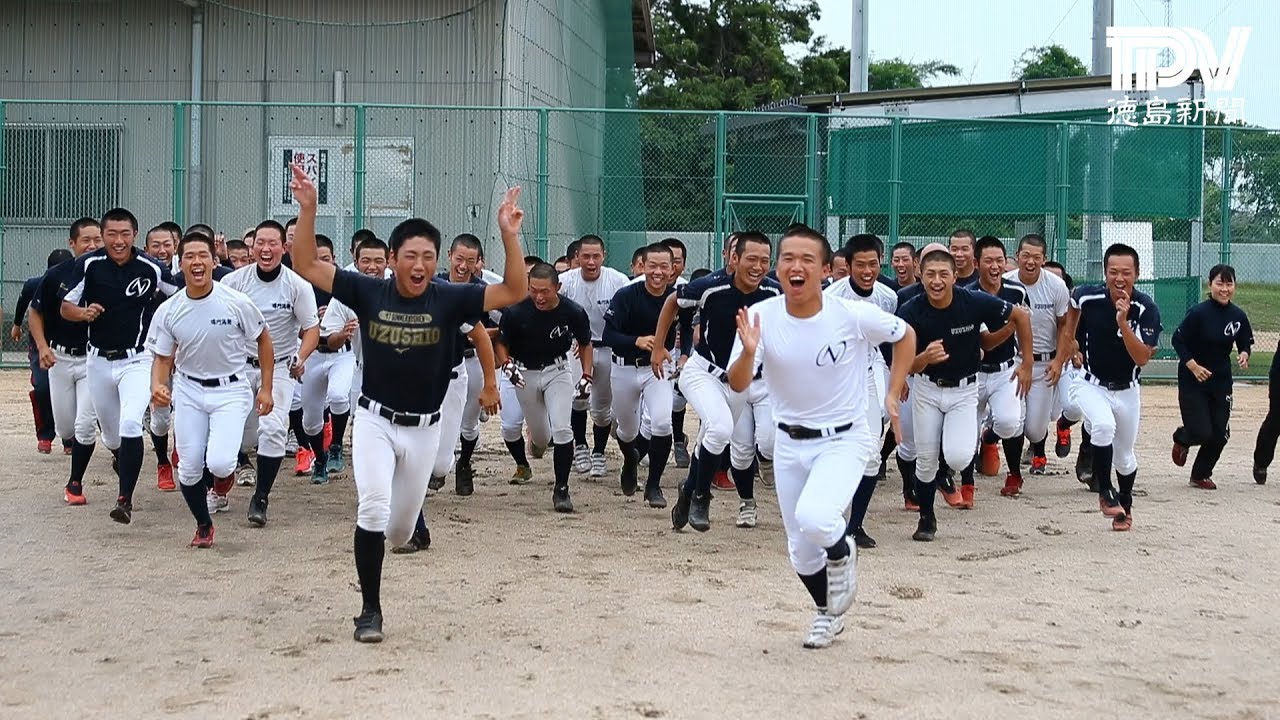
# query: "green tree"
[[896, 73], [826, 70], [1048, 61]]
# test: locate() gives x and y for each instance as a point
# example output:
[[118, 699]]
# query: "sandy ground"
[[1029, 606]]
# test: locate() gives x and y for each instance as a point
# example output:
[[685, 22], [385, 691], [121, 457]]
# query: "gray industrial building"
[[224, 164]]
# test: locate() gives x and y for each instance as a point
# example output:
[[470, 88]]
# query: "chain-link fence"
[[634, 177]]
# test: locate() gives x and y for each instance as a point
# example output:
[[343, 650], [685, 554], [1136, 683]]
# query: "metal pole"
[[1063, 195], [811, 171], [718, 232], [1103, 16], [544, 180], [859, 58], [895, 180], [197, 94], [358, 192], [1224, 251], [179, 165], [3, 172]]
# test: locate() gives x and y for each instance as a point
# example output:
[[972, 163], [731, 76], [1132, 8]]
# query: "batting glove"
[[583, 390], [513, 373]]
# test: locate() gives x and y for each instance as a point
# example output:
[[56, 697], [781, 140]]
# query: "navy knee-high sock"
[[659, 453], [130, 465], [516, 448], [816, 584], [160, 443], [340, 427], [268, 469], [745, 480], [295, 427], [80, 456], [195, 496], [316, 443], [370, 548], [861, 501], [468, 449], [578, 421], [600, 439], [562, 463]]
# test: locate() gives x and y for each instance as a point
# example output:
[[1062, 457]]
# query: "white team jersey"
[[1049, 299], [593, 296], [207, 336], [815, 369], [336, 318], [288, 303], [881, 295], [640, 278]]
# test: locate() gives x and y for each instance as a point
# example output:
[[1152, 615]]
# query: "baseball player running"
[[408, 325], [1119, 328], [114, 290], [61, 345], [198, 337], [327, 386], [948, 323], [629, 328], [41, 402], [288, 305], [863, 253], [1203, 342], [704, 379], [1004, 375], [592, 285], [814, 352], [534, 338]]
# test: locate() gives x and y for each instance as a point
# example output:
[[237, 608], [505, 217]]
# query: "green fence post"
[[811, 170], [1063, 195], [3, 173], [718, 219], [895, 180], [544, 180], [357, 193], [1224, 250], [179, 164]]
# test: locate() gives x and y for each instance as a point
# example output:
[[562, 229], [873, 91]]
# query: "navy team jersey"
[[1014, 293], [29, 288], [958, 326], [1105, 356], [407, 343], [128, 293], [1207, 335], [58, 331], [718, 301], [633, 313], [536, 338]]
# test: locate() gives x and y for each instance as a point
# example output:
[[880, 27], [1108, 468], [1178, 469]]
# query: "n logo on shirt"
[[832, 354], [559, 331], [1231, 329], [137, 287]]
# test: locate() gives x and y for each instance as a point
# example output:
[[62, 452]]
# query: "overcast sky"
[[986, 37]]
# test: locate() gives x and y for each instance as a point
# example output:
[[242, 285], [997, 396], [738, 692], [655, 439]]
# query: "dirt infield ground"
[[1022, 608]]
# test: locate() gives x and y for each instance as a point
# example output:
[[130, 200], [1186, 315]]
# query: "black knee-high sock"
[[268, 469], [1102, 469], [600, 439], [1085, 438], [628, 449], [516, 448], [295, 427], [1064, 423], [1126, 489], [890, 442], [195, 497], [907, 469], [160, 443], [242, 458], [340, 427], [677, 426], [641, 444], [420, 527], [130, 465], [989, 436], [468, 449], [745, 481], [659, 453], [562, 462], [80, 456], [316, 443], [708, 463], [1013, 454], [966, 475], [207, 479], [578, 421], [840, 550], [1037, 448], [327, 415], [370, 548], [925, 492], [861, 501], [816, 584], [690, 484], [725, 464]]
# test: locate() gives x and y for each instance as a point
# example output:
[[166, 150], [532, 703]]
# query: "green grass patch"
[[1261, 302]]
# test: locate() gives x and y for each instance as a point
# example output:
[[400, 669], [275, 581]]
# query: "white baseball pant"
[[815, 487], [600, 401], [357, 384], [1111, 417], [511, 414], [451, 411], [470, 429], [1042, 404], [874, 395], [326, 383], [1067, 405], [755, 428], [392, 466], [944, 421], [546, 399], [704, 386], [295, 403], [161, 418], [998, 394], [271, 431], [208, 424], [73, 415], [635, 388], [906, 437], [121, 391]]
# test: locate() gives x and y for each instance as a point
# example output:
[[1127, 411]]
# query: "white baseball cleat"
[[291, 444], [747, 514], [246, 476], [581, 459], [598, 469], [212, 501], [842, 582], [823, 630]]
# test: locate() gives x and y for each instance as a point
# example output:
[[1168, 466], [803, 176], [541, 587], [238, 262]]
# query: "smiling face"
[[991, 265], [904, 266], [938, 278], [1030, 260], [464, 262], [1222, 290], [197, 266], [839, 267], [268, 248], [87, 240], [802, 264], [413, 265], [962, 250], [118, 236], [751, 267], [372, 262], [239, 257], [1122, 273], [160, 245], [677, 263], [865, 269], [657, 270]]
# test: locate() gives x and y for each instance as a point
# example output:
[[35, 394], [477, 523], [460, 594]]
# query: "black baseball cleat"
[[1260, 475], [560, 500], [435, 483], [628, 474], [926, 529], [257, 511], [680, 511], [123, 511], [700, 512], [653, 496], [368, 627], [680, 454], [463, 480], [420, 540], [862, 539]]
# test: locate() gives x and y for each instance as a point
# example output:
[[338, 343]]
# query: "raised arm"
[[515, 282], [303, 252]]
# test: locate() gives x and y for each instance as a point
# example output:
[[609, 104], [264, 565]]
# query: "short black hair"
[[411, 228], [78, 226], [160, 229], [741, 239], [988, 241], [292, 221], [1226, 272], [904, 245], [59, 256], [638, 254], [1066, 276], [562, 259], [118, 215], [533, 259], [172, 227], [1120, 250], [268, 225], [938, 256], [235, 244], [1034, 240], [845, 253], [370, 243], [467, 240], [864, 242], [804, 231], [323, 241], [197, 237], [658, 247], [359, 236], [673, 243], [964, 233], [572, 249], [586, 240], [544, 271], [200, 228], [699, 273]]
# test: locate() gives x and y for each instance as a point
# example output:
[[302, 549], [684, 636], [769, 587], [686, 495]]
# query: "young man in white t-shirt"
[[815, 351]]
